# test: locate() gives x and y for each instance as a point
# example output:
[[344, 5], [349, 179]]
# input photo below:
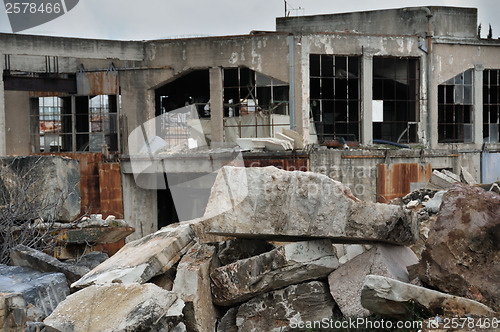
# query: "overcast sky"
[[156, 19]]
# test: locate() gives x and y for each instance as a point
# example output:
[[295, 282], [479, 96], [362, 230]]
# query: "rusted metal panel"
[[110, 186], [97, 83], [394, 180], [490, 167]]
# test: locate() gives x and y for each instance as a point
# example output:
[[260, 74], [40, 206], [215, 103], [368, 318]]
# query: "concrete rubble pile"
[[231, 271]]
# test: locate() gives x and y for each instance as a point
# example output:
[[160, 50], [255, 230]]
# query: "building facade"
[[415, 76]]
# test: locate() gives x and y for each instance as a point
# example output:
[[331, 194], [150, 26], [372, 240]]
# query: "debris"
[[285, 308], [462, 252], [298, 140], [442, 180], [349, 251], [140, 260], [388, 297], [40, 261], [42, 292], [412, 204], [270, 144], [281, 205], [12, 312], [90, 260], [434, 204], [467, 177], [228, 322], [117, 307], [283, 266], [233, 250], [384, 260], [192, 285]]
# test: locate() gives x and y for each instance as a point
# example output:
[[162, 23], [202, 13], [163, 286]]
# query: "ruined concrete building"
[[415, 76]]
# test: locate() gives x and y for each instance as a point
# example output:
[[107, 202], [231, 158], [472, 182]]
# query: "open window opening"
[[334, 96], [395, 99], [255, 105], [491, 105], [92, 126], [190, 89], [455, 106]]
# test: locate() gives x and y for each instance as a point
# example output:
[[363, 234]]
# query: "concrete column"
[[478, 105], [3, 132], [366, 98], [216, 105]]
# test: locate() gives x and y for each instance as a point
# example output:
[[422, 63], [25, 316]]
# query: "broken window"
[[255, 105], [455, 106], [92, 126], [395, 99], [491, 106], [334, 95]]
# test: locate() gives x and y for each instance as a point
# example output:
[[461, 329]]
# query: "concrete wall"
[[17, 121], [140, 208], [360, 173], [446, 21]]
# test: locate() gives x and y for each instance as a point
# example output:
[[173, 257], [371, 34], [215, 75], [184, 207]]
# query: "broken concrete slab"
[[50, 184], [90, 260], [12, 312], [433, 205], [396, 299], [462, 253], [281, 205], [192, 285], [289, 264], [233, 250], [42, 292], [441, 180], [384, 260], [228, 322], [28, 257], [140, 260], [298, 143], [284, 309], [117, 307], [466, 177]]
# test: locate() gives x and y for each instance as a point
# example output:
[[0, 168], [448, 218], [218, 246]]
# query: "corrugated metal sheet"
[[490, 167], [394, 180], [110, 186], [97, 83]]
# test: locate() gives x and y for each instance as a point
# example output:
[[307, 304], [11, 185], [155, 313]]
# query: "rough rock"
[[462, 251], [228, 322], [281, 205], [234, 250], [393, 298], [12, 312], [434, 204], [384, 260], [117, 307], [140, 260], [346, 252], [283, 266], [165, 280], [279, 310], [40, 261], [192, 285], [42, 292], [90, 260], [51, 183]]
